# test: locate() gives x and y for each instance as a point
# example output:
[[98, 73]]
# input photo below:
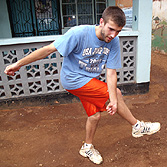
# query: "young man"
[[86, 50]]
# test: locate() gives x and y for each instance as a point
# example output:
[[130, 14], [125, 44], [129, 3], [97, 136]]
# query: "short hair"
[[115, 14]]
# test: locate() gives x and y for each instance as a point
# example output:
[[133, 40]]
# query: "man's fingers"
[[111, 111], [9, 72]]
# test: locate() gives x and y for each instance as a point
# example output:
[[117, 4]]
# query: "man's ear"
[[101, 22]]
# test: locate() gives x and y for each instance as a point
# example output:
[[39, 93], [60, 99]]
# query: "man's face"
[[109, 30]]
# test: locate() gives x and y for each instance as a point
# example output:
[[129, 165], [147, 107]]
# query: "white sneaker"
[[92, 154], [146, 128]]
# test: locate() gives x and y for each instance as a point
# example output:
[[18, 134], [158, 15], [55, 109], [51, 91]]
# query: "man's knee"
[[119, 92], [95, 117]]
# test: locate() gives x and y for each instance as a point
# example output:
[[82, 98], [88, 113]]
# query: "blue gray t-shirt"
[[85, 56]]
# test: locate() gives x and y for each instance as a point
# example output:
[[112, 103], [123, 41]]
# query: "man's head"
[[115, 14], [112, 21]]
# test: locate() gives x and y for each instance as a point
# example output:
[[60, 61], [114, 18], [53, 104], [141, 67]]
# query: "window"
[[34, 17], [51, 17], [77, 12], [46, 12]]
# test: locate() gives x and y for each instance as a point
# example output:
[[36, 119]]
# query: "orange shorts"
[[93, 96]]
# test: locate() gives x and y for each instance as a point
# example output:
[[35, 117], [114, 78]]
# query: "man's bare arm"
[[34, 56]]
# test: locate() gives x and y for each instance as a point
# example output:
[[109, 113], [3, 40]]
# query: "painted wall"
[[124, 3], [159, 22], [159, 26], [4, 21]]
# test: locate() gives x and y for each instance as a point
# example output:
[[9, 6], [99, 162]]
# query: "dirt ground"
[[51, 136]]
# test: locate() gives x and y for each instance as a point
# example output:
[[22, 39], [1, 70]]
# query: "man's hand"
[[11, 69], [111, 108]]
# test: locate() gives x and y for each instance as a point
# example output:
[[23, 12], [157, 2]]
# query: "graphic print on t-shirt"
[[94, 60]]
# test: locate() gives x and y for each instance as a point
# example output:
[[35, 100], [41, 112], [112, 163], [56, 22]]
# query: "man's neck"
[[98, 32]]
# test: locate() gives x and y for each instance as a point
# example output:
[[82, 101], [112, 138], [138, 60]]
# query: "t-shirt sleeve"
[[66, 43], [114, 58]]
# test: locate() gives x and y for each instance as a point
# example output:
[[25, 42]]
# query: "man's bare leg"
[[91, 126], [87, 150], [123, 110]]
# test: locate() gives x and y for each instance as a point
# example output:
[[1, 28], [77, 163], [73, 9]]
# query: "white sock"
[[87, 145], [137, 125]]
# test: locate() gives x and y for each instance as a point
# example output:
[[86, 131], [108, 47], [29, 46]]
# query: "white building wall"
[[160, 9]]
